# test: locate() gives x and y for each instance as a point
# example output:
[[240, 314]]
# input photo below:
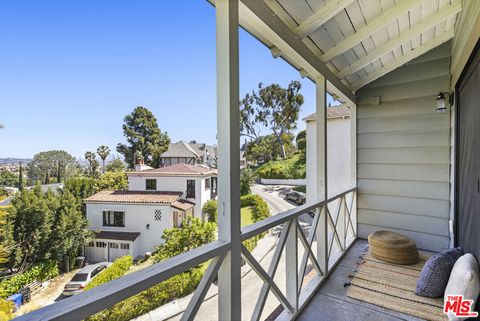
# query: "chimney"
[[140, 163]]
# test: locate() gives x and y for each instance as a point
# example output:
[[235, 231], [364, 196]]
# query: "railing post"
[[321, 171], [291, 264], [228, 131]]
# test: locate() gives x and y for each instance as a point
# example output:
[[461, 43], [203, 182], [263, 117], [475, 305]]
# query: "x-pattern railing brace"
[[266, 278], [202, 289], [335, 235], [272, 270]]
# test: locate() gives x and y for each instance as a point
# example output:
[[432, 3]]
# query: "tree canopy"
[[40, 226], [143, 135], [192, 234], [52, 165], [273, 107], [116, 165], [8, 178]]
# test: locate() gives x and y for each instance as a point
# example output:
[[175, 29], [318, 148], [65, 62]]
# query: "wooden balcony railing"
[[333, 230]]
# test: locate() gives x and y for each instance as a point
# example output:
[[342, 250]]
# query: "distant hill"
[[12, 160]]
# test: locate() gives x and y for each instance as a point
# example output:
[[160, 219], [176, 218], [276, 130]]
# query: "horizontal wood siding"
[[404, 153]]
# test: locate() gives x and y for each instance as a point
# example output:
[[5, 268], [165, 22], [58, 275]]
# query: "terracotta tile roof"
[[134, 197], [340, 111], [113, 235], [183, 205], [177, 170]]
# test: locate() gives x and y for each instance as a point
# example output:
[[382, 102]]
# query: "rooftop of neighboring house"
[[192, 149], [177, 170], [339, 111], [181, 149], [142, 197]]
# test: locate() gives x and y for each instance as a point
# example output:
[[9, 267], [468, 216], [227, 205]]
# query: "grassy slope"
[[291, 168], [246, 214]]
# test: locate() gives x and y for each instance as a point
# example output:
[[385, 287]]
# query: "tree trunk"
[[280, 141]]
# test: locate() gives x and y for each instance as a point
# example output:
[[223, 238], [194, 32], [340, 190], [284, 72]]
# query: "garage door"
[[96, 252], [117, 250]]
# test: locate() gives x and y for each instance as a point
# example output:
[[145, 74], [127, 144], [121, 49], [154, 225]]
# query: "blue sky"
[[71, 70]]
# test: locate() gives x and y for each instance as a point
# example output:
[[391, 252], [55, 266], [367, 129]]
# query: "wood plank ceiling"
[[361, 40]]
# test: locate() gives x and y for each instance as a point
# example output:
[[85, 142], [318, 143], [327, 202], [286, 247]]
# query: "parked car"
[[295, 197], [84, 277]]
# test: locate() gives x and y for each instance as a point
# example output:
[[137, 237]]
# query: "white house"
[[339, 149], [132, 222]]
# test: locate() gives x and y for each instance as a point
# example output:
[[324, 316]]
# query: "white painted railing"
[[333, 230]]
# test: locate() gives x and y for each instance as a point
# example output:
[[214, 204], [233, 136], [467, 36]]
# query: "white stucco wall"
[[137, 216], [339, 175], [175, 184]]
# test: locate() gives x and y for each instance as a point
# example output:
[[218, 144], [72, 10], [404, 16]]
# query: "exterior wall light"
[[441, 102], [147, 227]]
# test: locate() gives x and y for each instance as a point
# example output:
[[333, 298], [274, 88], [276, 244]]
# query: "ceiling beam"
[[418, 51], [321, 16], [431, 21], [363, 33], [263, 20]]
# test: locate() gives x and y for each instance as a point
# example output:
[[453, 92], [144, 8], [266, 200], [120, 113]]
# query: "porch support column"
[[228, 131], [321, 170]]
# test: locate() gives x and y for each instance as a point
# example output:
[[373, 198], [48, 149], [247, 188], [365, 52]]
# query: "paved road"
[[274, 195]]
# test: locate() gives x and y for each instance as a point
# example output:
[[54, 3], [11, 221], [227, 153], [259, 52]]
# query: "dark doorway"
[[467, 214]]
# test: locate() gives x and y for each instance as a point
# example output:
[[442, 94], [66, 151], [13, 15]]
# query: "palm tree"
[[103, 151], [90, 157]]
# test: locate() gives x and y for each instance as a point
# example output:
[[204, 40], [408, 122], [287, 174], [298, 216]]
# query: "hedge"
[[176, 287], [114, 271], [260, 211], [40, 272]]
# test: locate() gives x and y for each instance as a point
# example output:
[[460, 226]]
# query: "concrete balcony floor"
[[331, 303]]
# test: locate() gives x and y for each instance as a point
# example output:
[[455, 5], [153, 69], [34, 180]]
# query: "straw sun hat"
[[393, 248]]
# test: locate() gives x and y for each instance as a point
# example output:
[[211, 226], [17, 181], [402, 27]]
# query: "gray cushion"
[[434, 276]]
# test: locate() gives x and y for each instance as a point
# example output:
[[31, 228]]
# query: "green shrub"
[[260, 211], [247, 179], [209, 211], [114, 271], [40, 272], [291, 168], [6, 310], [176, 287]]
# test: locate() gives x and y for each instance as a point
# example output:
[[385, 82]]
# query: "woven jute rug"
[[393, 287]]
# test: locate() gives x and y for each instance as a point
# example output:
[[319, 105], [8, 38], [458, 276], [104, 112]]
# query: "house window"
[[178, 218], [158, 215], [113, 218], [207, 184], [151, 184], [114, 245], [190, 188], [101, 244], [124, 246]]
